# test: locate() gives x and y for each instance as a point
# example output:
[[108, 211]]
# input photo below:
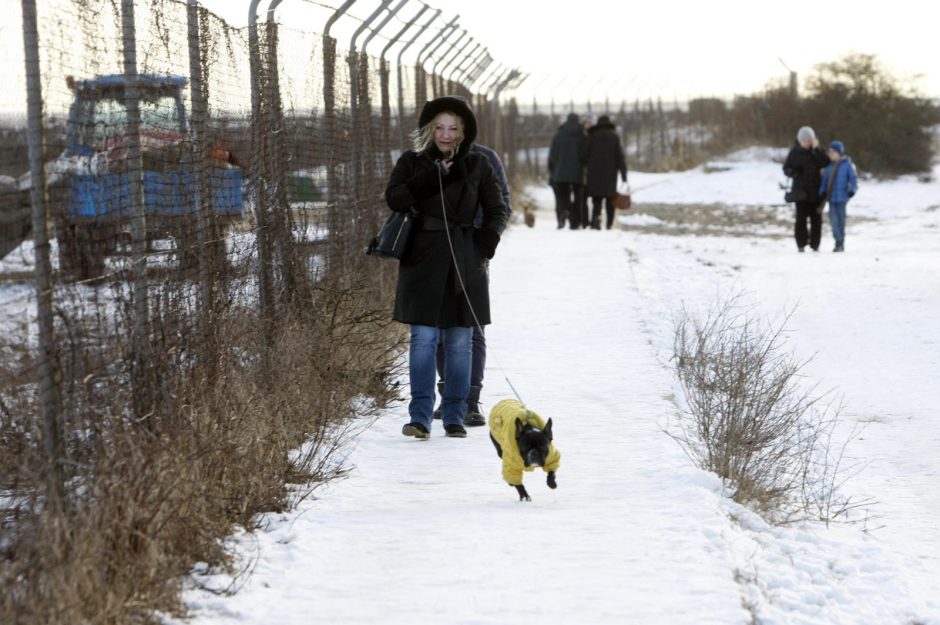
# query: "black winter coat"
[[804, 167], [604, 158], [564, 156], [429, 292]]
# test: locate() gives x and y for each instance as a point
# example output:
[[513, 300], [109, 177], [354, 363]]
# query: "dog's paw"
[[523, 494], [550, 480]]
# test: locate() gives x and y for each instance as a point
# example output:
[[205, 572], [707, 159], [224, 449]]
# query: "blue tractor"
[[91, 185]]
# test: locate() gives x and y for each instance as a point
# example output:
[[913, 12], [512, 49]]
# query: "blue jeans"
[[837, 219], [478, 359], [422, 369]]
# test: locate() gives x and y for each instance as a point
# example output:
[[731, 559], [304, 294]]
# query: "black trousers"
[[568, 203], [581, 208], [807, 211], [596, 213]]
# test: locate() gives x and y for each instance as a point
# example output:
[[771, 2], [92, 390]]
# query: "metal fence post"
[[334, 217], [496, 111], [398, 71], [481, 105], [392, 12], [135, 169], [436, 76], [354, 96], [468, 60], [478, 68], [421, 85], [197, 157], [259, 186], [276, 167], [386, 104], [49, 405]]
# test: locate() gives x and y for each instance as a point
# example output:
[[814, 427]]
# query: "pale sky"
[[674, 49]]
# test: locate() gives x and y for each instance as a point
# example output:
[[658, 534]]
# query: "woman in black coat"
[[603, 156], [804, 163], [443, 288]]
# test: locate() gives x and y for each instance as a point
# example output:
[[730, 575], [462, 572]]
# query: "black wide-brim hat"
[[457, 105]]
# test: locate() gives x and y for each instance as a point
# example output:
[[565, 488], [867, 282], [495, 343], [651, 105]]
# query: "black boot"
[[474, 415], [440, 392]]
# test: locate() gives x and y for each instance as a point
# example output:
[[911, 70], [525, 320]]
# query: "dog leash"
[[463, 287]]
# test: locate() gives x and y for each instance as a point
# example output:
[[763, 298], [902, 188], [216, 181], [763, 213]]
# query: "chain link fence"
[[184, 294]]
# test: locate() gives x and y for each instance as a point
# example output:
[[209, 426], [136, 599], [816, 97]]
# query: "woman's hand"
[[486, 240], [444, 165]]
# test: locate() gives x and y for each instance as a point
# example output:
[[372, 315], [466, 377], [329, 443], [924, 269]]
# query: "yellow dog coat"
[[503, 429]]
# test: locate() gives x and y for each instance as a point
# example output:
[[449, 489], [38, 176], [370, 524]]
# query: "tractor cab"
[[92, 174], [97, 124]]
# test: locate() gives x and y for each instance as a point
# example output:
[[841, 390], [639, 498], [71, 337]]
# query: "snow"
[[427, 531]]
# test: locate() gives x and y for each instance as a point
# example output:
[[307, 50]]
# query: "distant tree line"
[[885, 123]]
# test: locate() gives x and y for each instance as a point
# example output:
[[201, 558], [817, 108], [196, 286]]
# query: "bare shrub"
[[221, 441], [751, 419]]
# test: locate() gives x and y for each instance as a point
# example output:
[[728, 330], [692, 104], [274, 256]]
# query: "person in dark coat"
[[443, 288], [803, 165], [588, 121], [604, 158], [565, 171], [473, 416]]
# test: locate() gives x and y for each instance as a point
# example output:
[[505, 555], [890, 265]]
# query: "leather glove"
[[486, 240], [423, 184]]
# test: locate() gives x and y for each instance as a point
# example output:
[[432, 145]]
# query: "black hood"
[[457, 105], [602, 125]]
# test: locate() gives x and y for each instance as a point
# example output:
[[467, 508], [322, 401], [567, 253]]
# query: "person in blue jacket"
[[839, 184]]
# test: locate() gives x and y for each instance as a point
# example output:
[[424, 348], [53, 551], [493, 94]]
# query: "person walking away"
[[565, 171], [473, 416], [803, 164], [587, 122], [442, 289], [839, 184], [604, 157]]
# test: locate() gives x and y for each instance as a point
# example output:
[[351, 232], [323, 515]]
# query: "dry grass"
[[751, 419], [751, 221], [714, 220], [222, 439]]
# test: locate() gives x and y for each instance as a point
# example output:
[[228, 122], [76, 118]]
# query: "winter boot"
[[440, 392], [474, 415], [455, 430], [415, 429]]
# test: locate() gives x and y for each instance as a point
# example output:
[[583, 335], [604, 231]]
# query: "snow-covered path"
[[426, 532]]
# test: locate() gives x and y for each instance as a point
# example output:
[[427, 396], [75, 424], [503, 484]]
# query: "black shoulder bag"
[[795, 194], [394, 237]]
